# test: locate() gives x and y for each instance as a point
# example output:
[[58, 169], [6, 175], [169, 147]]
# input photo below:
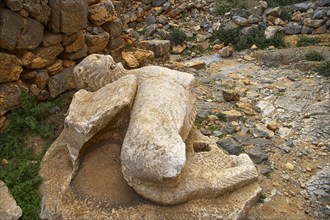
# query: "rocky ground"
[[280, 117]]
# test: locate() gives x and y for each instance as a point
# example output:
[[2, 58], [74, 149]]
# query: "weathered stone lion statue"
[[142, 121]]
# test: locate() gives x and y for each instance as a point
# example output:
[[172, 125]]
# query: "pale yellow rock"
[[129, 59], [273, 125], [196, 64], [226, 51], [55, 67], [246, 107], [10, 67], [178, 49], [143, 56], [76, 45], [8, 207], [232, 115], [289, 166]]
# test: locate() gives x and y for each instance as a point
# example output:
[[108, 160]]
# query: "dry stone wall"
[[41, 41]]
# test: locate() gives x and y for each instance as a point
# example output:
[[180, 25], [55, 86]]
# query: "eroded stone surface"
[[10, 67], [163, 157], [10, 95], [163, 149]]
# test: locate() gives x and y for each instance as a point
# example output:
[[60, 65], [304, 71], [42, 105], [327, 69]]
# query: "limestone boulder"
[[9, 209], [195, 64], [137, 58], [14, 5], [10, 95], [178, 49], [130, 60], [68, 16], [226, 51], [83, 122], [276, 12], [113, 28], [271, 31], [143, 56], [75, 55], [55, 67], [43, 56], [115, 43], [10, 67], [41, 79], [38, 10], [240, 20], [315, 23], [302, 7], [159, 47], [11, 34], [61, 82], [293, 28], [51, 39], [102, 12], [76, 45], [96, 42]]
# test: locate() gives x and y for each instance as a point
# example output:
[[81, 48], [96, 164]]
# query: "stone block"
[[8, 207], [159, 47], [51, 39], [10, 68], [44, 56], [61, 82], [96, 42], [115, 43], [68, 16], [10, 95], [38, 10], [14, 5], [11, 34], [76, 44], [75, 55], [102, 12], [114, 28]]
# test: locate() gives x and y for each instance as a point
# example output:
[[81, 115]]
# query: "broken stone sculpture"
[[129, 147]]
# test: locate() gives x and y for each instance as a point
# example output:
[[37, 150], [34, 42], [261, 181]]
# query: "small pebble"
[[265, 171], [4, 162], [289, 166]]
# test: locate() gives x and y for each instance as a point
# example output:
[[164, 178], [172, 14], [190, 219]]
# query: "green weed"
[[199, 121], [177, 37], [324, 69], [241, 41], [314, 56], [275, 3], [307, 41], [21, 173], [221, 117]]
